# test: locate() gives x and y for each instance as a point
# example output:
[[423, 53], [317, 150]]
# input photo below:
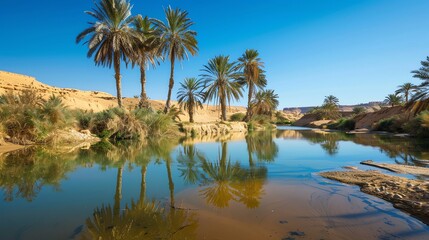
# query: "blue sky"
[[357, 50]]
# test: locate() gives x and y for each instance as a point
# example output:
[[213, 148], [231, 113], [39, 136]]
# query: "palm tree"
[[406, 89], [147, 52], [111, 37], [393, 100], [253, 77], [191, 96], [177, 41], [265, 102], [221, 76], [420, 100], [331, 99]]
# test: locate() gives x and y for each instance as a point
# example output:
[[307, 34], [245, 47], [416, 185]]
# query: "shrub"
[[118, 124], [393, 124], [83, 118], [344, 124], [419, 126], [26, 117], [358, 110], [237, 117]]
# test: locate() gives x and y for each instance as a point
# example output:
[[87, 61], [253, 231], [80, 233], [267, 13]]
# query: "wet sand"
[[399, 168], [411, 196], [299, 209]]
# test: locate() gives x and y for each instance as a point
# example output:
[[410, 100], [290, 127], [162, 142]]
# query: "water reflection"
[[142, 219], [227, 178]]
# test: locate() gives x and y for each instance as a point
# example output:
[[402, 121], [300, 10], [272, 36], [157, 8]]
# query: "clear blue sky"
[[357, 50]]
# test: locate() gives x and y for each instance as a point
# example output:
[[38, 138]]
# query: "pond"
[[261, 186]]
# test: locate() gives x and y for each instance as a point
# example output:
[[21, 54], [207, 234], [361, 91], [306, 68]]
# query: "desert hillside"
[[94, 100]]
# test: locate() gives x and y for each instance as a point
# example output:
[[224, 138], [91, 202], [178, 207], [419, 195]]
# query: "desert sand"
[[94, 100]]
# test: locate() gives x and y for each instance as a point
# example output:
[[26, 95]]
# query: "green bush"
[[26, 117], [419, 126], [83, 118], [237, 117], [393, 124], [344, 124]]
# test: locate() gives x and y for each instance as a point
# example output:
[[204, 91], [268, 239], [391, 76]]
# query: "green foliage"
[[331, 100], [327, 111], [83, 118], [419, 126], [237, 117], [222, 85], [393, 124], [344, 124], [260, 122], [393, 100], [265, 102], [359, 110], [26, 117], [280, 119], [191, 96]]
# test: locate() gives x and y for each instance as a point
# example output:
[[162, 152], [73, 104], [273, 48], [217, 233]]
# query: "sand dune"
[[94, 100]]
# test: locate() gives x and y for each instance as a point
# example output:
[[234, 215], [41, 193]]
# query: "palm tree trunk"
[[143, 186], [143, 96], [223, 107], [118, 193], [117, 66], [406, 97], [249, 99], [170, 183], [171, 84], [191, 113]]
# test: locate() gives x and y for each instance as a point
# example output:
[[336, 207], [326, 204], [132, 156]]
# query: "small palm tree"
[[393, 100], [253, 76], [265, 102], [191, 96], [331, 99], [222, 85], [147, 52], [406, 90], [177, 41], [111, 37]]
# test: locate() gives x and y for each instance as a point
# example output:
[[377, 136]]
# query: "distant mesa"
[[369, 107]]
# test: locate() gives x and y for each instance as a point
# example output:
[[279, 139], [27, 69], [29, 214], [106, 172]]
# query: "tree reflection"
[[25, 172], [261, 144], [141, 219], [223, 181]]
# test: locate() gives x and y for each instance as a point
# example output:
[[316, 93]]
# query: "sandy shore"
[[411, 196]]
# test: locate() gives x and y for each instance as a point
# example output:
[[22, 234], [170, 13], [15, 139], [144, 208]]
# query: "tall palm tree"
[[406, 90], [253, 77], [331, 99], [111, 37], [221, 77], [265, 102], [147, 52], [191, 96], [177, 41], [393, 100]]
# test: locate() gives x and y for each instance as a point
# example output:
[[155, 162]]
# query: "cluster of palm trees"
[[117, 36], [222, 80]]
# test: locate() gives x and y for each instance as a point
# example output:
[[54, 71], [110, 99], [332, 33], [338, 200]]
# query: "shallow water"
[[262, 186]]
